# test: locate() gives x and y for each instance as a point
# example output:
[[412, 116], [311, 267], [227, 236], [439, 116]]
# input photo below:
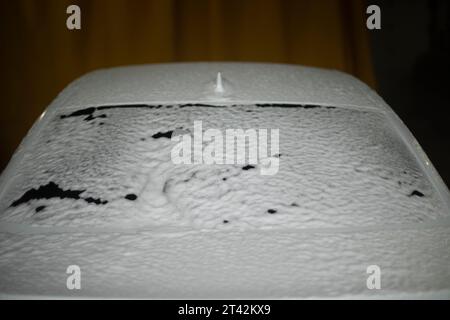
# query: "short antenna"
[[219, 86]]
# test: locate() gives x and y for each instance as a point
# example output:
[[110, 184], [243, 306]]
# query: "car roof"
[[195, 82]]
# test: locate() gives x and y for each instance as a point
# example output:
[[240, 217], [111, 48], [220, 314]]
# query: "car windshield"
[[114, 165]]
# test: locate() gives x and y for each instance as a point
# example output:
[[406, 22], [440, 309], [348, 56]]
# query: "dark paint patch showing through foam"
[[40, 208], [52, 190], [167, 134], [96, 201], [83, 112], [89, 112], [416, 193], [131, 197]]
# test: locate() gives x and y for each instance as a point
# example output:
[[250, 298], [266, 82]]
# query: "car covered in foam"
[[93, 185]]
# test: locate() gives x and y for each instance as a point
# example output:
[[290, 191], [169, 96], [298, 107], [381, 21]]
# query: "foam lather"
[[94, 184]]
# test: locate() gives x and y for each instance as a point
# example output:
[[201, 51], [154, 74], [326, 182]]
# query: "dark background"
[[411, 61], [406, 61]]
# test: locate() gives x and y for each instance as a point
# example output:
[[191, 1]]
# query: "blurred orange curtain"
[[40, 56]]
